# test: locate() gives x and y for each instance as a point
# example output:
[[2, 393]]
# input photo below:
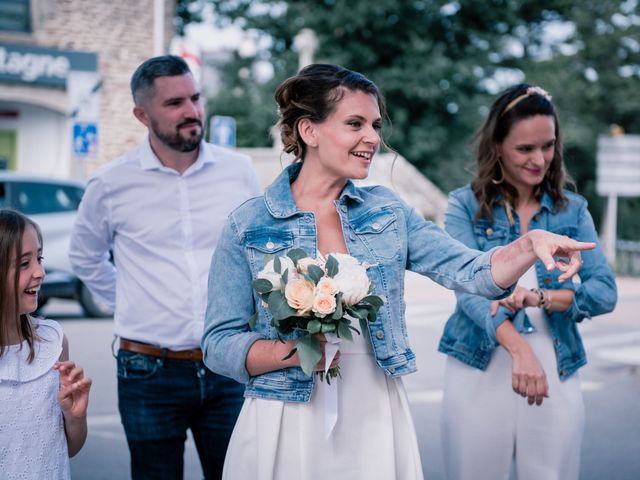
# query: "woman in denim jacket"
[[330, 119], [519, 187]]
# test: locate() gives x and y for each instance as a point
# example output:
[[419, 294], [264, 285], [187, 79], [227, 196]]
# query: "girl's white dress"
[[373, 438], [32, 439]]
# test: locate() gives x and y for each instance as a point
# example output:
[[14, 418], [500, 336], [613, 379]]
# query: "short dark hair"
[[162, 66]]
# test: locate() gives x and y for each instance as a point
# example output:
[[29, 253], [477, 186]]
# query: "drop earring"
[[498, 182]]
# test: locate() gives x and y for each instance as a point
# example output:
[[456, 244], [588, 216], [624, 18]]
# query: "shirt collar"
[[546, 202], [150, 161], [279, 198]]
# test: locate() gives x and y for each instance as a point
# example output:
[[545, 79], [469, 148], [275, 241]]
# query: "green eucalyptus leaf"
[[296, 254], [268, 258], [290, 354], [363, 325], [252, 320], [339, 312], [328, 327], [285, 277], [309, 353], [277, 265], [314, 326], [332, 266], [262, 285], [374, 300], [279, 307], [315, 273], [344, 331]]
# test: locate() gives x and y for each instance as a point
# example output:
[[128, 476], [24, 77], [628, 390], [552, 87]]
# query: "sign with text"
[[42, 66], [618, 166]]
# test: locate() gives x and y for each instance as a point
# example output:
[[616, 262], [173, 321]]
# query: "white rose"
[[324, 305], [268, 273], [303, 264], [299, 294], [351, 278]]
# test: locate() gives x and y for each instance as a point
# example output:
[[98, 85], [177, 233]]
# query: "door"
[[8, 149]]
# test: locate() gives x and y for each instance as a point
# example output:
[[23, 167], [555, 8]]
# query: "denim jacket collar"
[[279, 199]]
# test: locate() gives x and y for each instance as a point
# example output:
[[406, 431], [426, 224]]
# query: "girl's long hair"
[[12, 227], [516, 103]]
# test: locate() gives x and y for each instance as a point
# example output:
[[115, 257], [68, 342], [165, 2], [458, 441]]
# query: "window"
[[15, 15], [33, 198]]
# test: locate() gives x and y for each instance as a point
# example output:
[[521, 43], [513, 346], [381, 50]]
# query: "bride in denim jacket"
[[529, 341], [331, 119]]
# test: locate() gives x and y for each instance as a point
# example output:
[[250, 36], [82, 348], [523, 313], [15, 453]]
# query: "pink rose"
[[324, 305], [299, 294]]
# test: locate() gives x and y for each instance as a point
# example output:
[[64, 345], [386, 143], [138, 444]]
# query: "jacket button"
[[352, 237], [536, 218], [391, 370], [379, 334], [344, 209], [557, 342], [489, 231], [270, 245], [547, 280], [376, 226], [563, 372]]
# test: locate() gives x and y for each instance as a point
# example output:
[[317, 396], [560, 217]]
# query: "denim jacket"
[[378, 228], [470, 333]]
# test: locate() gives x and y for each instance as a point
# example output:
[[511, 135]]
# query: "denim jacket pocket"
[[378, 230], [266, 241], [134, 366], [489, 235]]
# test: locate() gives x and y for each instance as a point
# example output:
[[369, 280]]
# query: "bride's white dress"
[[374, 437]]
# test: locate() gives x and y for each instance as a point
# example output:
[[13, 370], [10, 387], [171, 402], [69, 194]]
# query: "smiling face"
[[527, 152], [173, 111], [344, 144], [30, 271]]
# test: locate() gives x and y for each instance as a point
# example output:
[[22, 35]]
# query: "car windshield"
[[33, 197]]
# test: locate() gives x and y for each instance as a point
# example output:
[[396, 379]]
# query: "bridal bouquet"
[[315, 296]]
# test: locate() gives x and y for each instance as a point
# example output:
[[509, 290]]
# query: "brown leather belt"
[[153, 351]]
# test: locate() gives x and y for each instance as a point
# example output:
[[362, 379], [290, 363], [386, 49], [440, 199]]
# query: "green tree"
[[439, 64]]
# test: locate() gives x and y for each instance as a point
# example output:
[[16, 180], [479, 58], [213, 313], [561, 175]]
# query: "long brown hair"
[[516, 103], [12, 227]]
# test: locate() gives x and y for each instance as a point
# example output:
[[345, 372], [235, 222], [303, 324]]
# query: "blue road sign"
[[223, 131], [85, 139]]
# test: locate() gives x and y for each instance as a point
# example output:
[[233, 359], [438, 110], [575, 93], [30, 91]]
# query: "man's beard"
[[175, 140]]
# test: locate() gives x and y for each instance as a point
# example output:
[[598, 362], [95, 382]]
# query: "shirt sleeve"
[[597, 292], [227, 337], [447, 261], [459, 224], [91, 240]]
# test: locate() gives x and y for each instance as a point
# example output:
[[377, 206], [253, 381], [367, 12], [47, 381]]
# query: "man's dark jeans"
[[160, 399]]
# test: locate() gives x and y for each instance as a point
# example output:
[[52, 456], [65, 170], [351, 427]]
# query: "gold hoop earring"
[[498, 182]]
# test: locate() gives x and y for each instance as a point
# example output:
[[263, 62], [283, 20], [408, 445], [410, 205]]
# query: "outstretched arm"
[[73, 398], [511, 261]]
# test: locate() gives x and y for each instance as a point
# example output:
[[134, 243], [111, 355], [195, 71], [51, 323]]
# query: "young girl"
[[44, 396]]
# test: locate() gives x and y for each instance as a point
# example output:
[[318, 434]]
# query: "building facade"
[[65, 66]]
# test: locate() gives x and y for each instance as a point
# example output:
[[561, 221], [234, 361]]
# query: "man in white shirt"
[[159, 209]]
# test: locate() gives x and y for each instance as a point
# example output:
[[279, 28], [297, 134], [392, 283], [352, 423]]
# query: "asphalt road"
[[611, 386]]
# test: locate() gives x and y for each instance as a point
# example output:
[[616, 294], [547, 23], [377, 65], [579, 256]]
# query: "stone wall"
[[121, 33]]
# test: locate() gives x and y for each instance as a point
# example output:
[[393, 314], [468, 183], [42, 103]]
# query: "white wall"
[[43, 137]]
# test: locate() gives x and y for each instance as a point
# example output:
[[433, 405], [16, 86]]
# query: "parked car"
[[52, 204]]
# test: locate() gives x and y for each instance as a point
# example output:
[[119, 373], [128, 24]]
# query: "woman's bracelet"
[[540, 296], [544, 298]]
